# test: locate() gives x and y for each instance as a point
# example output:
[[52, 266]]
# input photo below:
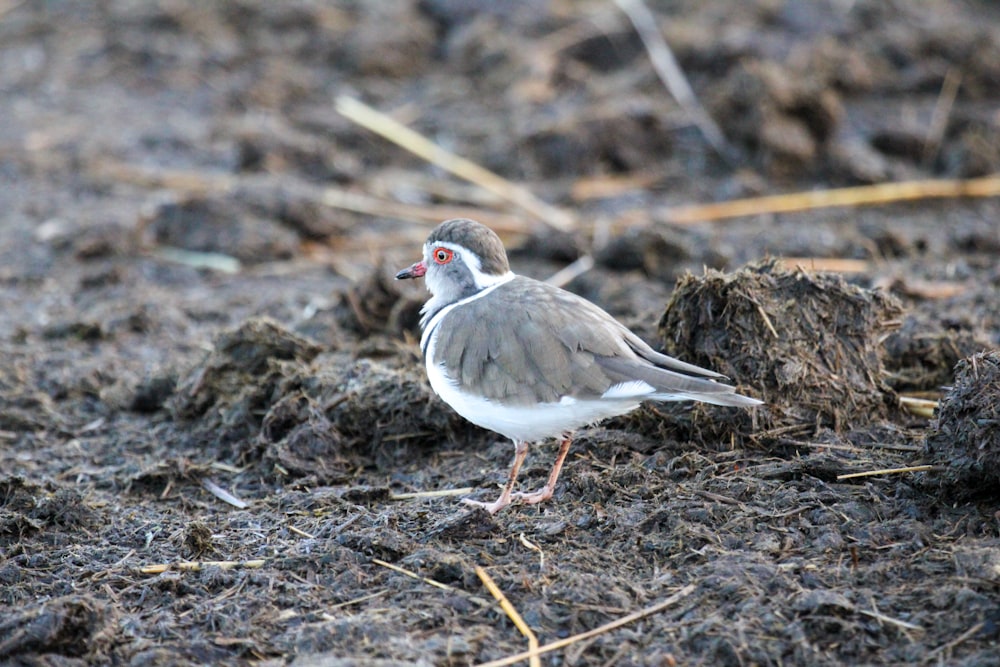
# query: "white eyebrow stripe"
[[475, 266]]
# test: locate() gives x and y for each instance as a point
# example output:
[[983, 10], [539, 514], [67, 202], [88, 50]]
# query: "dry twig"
[[607, 627], [432, 494], [888, 471], [883, 193], [197, 566], [671, 74], [920, 407], [388, 128], [508, 608]]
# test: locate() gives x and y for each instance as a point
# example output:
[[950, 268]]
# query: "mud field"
[[217, 443]]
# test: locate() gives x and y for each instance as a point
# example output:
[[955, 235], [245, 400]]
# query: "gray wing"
[[511, 355], [508, 354]]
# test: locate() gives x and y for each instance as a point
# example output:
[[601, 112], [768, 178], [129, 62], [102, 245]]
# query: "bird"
[[531, 361]]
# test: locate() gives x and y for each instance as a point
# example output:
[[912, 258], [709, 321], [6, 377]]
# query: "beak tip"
[[414, 271]]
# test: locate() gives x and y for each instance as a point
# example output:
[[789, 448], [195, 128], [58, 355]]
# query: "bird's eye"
[[443, 255]]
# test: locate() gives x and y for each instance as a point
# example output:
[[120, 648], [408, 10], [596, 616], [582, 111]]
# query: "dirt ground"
[[203, 356]]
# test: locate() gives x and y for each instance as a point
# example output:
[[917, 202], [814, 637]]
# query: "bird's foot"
[[493, 507], [541, 495], [506, 498]]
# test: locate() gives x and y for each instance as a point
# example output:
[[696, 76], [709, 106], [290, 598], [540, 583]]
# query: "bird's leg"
[[546, 491], [520, 451]]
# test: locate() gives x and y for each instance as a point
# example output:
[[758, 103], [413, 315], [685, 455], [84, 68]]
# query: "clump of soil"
[[783, 116], [65, 627], [376, 304], [809, 345], [232, 389], [27, 508], [922, 354], [308, 415], [965, 438], [340, 413], [221, 225]]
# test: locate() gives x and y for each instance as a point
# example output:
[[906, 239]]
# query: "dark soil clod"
[[65, 626], [965, 437], [809, 345]]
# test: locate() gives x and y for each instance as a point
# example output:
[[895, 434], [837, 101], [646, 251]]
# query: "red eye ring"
[[443, 255]]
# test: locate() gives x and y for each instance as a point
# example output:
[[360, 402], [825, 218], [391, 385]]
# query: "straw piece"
[[571, 271], [890, 620], [512, 614], [671, 75], [607, 627], [196, 566], [828, 264], [414, 575], [357, 202], [389, 128], [920, 407], [534, 547], [222, 494], [200, 182], [883, 193], [302, 533], [888, 471], [432, 494], [605, 186], [942, 111]]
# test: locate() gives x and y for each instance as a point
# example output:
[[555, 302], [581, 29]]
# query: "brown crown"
[[478, 239]]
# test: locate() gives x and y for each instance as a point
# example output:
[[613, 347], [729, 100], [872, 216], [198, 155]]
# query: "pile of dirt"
[[342, 412], [808, 345], [785, 118], [227, 394], [27, 508], [219, 225], [273, 397], [922, 354], [66, 628], [965, 437]]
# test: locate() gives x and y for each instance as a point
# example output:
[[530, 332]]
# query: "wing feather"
[[578, 350]]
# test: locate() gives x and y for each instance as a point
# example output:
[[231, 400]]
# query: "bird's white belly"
[[527, 423]]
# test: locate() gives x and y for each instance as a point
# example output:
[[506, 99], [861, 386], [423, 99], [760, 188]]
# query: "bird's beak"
[[412, 271]]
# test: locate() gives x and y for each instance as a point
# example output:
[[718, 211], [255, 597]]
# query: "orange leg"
[[520, 451], [546, 491]]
